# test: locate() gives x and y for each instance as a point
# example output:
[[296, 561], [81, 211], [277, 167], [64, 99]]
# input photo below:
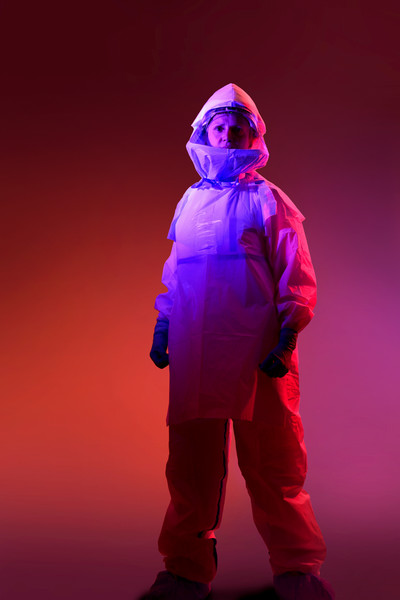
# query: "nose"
[[230, 138], [230, 134]]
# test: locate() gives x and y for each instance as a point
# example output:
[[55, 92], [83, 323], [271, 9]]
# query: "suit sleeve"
[[164, 302], [291, 266]]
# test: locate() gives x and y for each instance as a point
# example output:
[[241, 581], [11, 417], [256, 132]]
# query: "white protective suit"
[[238, 272]]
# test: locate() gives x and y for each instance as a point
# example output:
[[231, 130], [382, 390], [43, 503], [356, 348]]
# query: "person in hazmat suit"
[[240, 287]]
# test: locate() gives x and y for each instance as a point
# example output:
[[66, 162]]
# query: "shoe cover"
[[302, 586], [168, 586]]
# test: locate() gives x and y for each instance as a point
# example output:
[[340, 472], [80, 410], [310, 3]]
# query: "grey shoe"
[[168, 586], [302, 586]]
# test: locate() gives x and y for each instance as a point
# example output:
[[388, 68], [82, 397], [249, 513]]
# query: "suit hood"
[[230, 96], [226, 163]]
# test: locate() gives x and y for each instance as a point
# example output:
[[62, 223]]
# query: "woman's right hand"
[[158, 352]]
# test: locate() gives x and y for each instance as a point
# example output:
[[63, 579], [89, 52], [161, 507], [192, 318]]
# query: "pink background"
[[97, 100]]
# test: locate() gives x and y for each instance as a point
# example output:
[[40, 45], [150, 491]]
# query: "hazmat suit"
[[238, 274]]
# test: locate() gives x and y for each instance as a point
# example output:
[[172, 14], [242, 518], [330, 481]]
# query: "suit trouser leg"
[[273, 462], [196, 473]]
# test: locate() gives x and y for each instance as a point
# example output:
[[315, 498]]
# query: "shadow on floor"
[[262, 594]]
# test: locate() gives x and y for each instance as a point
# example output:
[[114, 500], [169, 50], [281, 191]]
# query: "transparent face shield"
[[200, 134], [226, 110]]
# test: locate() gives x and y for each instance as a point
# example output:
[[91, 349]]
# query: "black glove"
[[278, 361], [158, 352]]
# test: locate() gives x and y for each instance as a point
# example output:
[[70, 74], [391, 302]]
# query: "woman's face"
[[229, 130]]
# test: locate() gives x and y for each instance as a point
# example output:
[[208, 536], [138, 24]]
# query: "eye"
[[237, 130], [219, 128]]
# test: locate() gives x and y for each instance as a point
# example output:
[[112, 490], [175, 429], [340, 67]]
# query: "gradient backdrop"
[[97, 100]]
